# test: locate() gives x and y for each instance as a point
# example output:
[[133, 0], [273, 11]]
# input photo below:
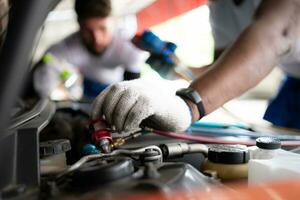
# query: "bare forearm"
[[253, 55], [238, 70], [200, 70]]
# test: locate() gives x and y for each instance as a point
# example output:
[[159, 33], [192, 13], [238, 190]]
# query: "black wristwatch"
[[193, 96]]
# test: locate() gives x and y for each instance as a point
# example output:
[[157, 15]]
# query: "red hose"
[[213, 140]]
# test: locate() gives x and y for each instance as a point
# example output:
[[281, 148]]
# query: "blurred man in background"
[[97, 51]]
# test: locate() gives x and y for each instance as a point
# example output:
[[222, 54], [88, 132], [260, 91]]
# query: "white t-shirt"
[[107, 68], [229, 20]]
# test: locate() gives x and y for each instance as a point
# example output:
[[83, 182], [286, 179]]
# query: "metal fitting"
[[174, 150], [103, 139]]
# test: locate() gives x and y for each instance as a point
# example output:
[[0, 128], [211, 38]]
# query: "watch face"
[[184, 91], [189, 90]]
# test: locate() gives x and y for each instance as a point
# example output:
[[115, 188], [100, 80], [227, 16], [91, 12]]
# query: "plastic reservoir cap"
[[54, 147], [228, 154], [268, 143]]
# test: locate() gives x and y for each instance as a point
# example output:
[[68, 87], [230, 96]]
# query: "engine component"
[[102, 171], [69, 122], [104, 145], [169, 177], [54, 147], [53, 157], [136, 154], [227, 161], [120, 175], [173, 150], [90, 149], [117, 143], [101, 136], [151, 155]]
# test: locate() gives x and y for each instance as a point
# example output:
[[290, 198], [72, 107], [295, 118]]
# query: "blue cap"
[[90, 149]]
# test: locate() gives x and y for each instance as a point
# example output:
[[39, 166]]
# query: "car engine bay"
[[53, 150], [75, 161]]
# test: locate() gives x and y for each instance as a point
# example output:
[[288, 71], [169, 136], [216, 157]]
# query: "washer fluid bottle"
[[268, 162]]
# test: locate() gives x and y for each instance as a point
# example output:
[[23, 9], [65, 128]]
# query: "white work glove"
[[126, 104]]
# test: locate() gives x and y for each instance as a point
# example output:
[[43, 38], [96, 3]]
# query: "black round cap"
[[228, 154], [102, 171], [268, 143]]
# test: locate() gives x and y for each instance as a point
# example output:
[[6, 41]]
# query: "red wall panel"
[[162, 10]]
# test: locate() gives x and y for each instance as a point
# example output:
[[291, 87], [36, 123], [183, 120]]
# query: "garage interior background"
[[195, 48]]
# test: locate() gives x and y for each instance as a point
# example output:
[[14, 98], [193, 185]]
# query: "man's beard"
[[94, 51]]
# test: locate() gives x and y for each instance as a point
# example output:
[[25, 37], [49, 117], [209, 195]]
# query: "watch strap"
[[192, 95]]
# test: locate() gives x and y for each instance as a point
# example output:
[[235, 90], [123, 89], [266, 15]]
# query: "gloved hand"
[[126, 104]]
